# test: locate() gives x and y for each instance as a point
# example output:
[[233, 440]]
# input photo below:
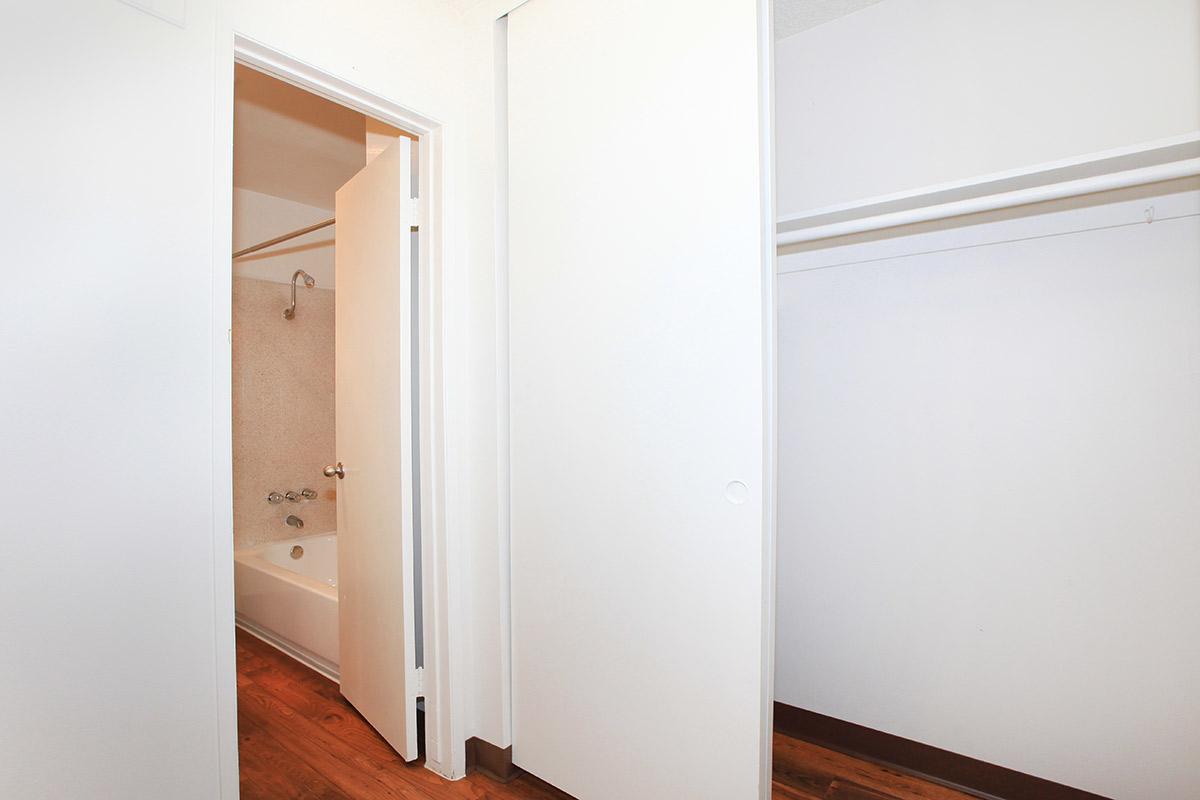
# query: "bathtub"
[[291, 603]]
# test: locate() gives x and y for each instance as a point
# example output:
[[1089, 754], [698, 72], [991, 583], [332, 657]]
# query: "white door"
[[641, 274], [374, 447]]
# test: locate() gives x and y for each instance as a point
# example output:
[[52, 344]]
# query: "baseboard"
[[289, 648], [954, 771], [495, 762]]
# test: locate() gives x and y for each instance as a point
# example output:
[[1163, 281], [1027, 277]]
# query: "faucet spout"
[[294, 521]]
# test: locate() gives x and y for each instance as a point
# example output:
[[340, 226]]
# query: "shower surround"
[[283, 418]]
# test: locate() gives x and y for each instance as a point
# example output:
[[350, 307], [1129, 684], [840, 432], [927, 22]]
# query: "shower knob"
[[274, 498], [292, 497], [335, 470]]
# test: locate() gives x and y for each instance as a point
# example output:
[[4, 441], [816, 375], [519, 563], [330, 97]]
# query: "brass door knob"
[[335, 470]]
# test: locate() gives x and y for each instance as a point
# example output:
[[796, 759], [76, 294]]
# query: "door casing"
[[444, 725]]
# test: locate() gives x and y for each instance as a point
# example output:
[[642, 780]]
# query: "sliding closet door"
[[640, 264]]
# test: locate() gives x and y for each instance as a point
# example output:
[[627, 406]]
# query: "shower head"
[[309, 282]]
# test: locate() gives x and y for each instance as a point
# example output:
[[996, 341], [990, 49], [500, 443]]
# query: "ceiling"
[[290, 143], [793, 16]]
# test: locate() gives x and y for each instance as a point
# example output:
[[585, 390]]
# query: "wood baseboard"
[[495, 762], [965, 774]]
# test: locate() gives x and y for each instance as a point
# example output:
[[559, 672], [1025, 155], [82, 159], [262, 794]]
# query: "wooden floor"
[[300, 739]]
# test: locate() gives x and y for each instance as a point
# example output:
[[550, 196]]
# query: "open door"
[[373, 381], [641, 272]]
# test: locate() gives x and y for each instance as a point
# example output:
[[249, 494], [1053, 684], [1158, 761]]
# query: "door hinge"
[[413, 212], [419, 682]]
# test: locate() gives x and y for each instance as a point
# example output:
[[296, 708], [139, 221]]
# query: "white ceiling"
[[290, 143], [793, 16]]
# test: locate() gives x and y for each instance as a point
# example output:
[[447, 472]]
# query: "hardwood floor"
[[300, 739]]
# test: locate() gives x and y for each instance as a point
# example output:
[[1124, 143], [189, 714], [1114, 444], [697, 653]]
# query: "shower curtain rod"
[[245, 251]]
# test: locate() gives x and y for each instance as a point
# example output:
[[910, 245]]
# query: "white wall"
[[911, 93], [107, 675], [985, 526], [989, 451], [115, 409]]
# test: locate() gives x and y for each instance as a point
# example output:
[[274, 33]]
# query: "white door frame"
[[445, 740]]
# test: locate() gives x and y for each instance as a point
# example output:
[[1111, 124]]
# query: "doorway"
[[333, 414]]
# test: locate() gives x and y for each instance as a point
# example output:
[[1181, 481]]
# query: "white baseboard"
[[305, 657]]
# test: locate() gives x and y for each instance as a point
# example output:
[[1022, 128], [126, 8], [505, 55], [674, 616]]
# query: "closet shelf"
[[1149, 162]]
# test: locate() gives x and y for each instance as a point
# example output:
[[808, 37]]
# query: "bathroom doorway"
[[329, 412]]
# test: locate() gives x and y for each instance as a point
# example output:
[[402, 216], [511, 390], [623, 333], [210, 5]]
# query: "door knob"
[[335, 470]]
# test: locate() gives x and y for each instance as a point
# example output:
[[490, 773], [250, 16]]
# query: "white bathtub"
[[289, 602]]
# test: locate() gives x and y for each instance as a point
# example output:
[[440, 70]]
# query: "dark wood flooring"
[[300, 739]]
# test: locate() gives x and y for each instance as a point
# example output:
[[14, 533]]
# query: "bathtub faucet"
[[294, 521]]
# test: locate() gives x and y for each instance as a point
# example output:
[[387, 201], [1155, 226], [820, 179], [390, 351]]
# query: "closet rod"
[[245, 251]]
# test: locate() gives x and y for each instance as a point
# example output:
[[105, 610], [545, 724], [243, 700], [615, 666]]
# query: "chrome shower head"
[[290, 311]]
